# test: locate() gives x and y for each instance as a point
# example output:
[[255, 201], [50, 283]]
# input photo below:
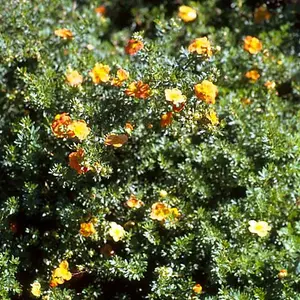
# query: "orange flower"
[[138, 89], [116, 140], [206, 91], [79, 129], [246, 101], [133, 202], [75, 160], [178, 108], [100, 73], [60, 274], [13, 227], [133, 46], [53, 283], [186, 13], [122, 76], [128, 128], [101, 10], [64, 33], [73, 78], [60, 126], [253, 75], [261, 14], [87, 229], [166, 119], [197, 288], [252, 44], [201, 46], [159, 211], [270, 85]]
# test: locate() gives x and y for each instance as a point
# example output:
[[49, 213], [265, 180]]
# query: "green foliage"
[[218, 176], [8, 269]]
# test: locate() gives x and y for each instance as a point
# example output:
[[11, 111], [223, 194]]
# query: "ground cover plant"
[[149, 150]]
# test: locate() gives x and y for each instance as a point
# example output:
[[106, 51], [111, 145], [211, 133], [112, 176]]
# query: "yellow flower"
[[116, 231], [261, 228], [64, 270], [100, 73], [206, 91], [133, 202], [159, 211], [80, 129], [122, 76], [163, 193], [60, 274], [270, 85], [252, 44], [174, 213], [253, 75], [36, 289], [116, 140], [261, 14], [197, 288], [212, 117], [64, 33], [90, 47], [201, 46], [187, 13], [87, 229], [282, 274], [73, 78], [175, 96]]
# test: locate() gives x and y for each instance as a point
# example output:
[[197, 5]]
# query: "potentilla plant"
[[149, 151]]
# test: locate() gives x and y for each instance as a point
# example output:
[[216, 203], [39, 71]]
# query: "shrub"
[[139, 161]]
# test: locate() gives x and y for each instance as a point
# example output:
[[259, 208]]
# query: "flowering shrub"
[[149, 150]]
